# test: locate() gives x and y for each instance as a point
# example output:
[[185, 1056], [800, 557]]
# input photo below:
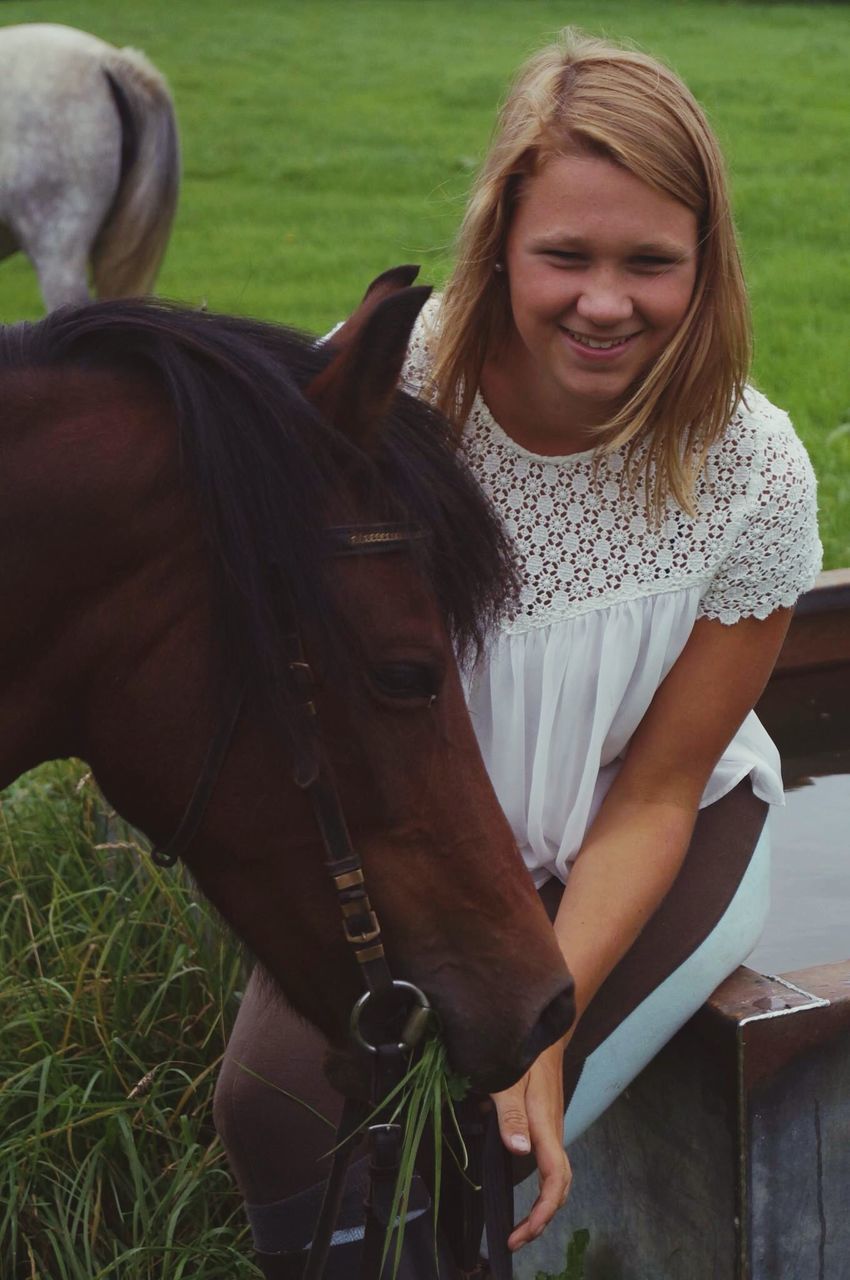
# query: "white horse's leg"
[[56, 226], [62, 275], [56, 232]]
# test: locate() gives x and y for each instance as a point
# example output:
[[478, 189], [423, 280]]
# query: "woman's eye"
[[653, 264], [406, 680], [565, 258]]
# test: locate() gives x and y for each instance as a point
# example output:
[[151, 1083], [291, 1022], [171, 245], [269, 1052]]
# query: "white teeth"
[[596, 343]]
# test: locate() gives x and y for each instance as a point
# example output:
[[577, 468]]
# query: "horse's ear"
[[355, 390], [383, 286]]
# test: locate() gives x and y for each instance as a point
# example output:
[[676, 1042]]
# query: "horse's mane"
[[267, 469]]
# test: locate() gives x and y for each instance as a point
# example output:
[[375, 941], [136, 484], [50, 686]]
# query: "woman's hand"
[[531, 1119]]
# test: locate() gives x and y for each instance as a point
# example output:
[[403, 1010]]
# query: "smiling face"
[[601, 268]]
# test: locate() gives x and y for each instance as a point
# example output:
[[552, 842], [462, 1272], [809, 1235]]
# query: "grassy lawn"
[[323, 141]]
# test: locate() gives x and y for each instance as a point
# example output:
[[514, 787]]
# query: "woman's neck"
[[540, 418]]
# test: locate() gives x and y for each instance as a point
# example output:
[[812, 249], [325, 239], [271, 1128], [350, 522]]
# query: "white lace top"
[[608, 603]]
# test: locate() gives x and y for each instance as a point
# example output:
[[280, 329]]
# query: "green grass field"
[[323, 141]]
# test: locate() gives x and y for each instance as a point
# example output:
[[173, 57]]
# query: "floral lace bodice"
[[584, 541]]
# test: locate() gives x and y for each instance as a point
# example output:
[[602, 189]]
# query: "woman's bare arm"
[[633, 852]]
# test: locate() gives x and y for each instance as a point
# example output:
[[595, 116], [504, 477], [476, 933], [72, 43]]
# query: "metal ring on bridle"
[[414, 1027]]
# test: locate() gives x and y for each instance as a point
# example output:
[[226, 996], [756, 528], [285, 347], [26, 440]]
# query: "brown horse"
[[167, 480]]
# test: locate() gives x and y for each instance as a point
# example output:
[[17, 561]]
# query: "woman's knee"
[[273, 1108], [238, 1102]]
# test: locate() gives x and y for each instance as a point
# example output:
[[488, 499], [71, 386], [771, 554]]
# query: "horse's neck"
[[92, 529]]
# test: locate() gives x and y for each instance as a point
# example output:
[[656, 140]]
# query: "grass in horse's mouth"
[[424, 1098]]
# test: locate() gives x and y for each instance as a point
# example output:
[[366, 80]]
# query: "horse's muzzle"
[[501, 1070]]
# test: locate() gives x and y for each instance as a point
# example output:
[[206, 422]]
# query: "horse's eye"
[[406, 680]]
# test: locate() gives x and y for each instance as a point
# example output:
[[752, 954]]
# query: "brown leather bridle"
[[398, 1011]]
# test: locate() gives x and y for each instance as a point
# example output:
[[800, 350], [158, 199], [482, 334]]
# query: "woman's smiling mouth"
[[598, 348], [601, 345]]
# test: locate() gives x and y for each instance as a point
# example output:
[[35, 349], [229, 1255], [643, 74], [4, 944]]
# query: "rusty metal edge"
[[749, 996], [744, 1010]]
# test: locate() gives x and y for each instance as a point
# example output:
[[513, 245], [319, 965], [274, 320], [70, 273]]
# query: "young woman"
[[593, 346]]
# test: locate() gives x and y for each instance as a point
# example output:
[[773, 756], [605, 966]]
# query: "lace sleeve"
[[776, 554]]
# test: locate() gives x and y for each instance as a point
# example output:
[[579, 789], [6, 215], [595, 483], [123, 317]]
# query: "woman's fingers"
[[512, 1117], [555, 1177], [531, 1118]]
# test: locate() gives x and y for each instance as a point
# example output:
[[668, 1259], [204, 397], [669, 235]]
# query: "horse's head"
[[459, 914], [280, 441]]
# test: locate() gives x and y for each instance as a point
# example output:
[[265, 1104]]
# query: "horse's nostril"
[[504, 1069], [555, 1020]]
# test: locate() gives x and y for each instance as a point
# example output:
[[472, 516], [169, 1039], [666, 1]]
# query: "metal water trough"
[[729, 1157]]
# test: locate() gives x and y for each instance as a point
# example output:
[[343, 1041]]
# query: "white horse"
[[89, 162]]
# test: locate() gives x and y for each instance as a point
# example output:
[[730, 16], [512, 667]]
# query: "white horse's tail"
[[131, 243]]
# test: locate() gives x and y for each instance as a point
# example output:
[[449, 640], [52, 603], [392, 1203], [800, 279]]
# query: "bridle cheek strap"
[[311, 774]]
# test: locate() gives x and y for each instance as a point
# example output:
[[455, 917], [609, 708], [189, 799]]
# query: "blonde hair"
[[583, 94]]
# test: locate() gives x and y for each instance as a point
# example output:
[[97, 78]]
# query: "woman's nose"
[[605, 300]]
